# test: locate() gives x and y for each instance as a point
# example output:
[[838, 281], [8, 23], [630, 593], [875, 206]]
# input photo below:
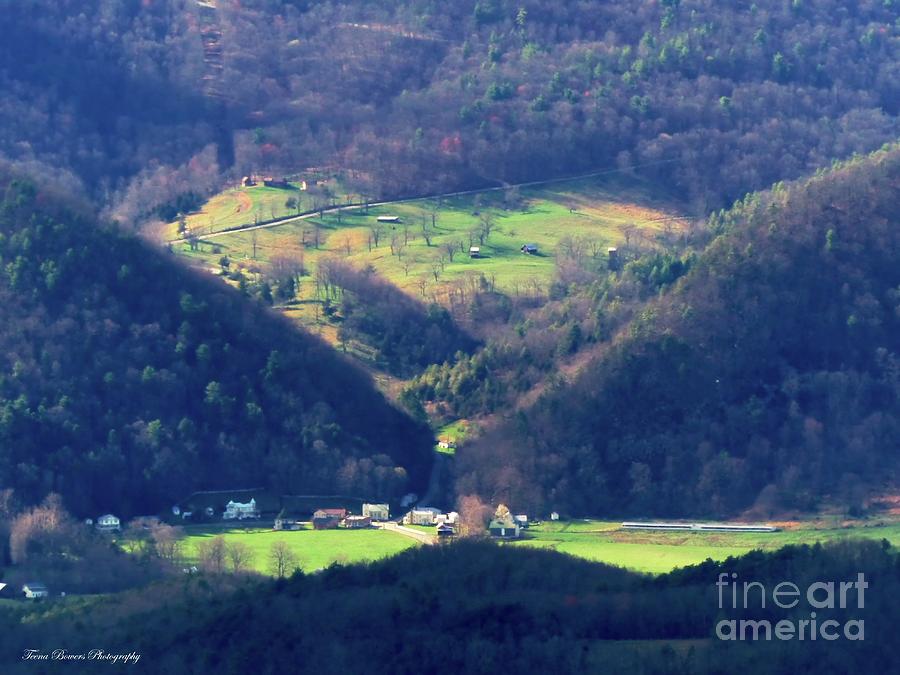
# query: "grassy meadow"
[[601, 212], [454, 432], [660, 552], [239, 205], [315, 549], [654, 552]]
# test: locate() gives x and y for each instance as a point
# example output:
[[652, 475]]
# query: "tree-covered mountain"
[[713, 99], [128, 381], [767, 376], [475, 608]]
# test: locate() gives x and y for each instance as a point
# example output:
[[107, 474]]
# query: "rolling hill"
[[129, 381], [766, 377], [510, 610]]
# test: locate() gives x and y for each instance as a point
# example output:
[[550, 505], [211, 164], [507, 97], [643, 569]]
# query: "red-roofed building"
[[328, 519]]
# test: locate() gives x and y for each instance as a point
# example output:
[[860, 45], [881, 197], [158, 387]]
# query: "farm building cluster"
[[258, 504], [445, 524], [332, 518], [282, 182]]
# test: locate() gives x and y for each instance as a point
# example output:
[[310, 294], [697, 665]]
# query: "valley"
[[601, 541], [426, 251], [490, 336]]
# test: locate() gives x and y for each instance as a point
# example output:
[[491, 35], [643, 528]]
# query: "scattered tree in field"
[[282, 559], [376, 230], [486, 225], [426, 233], [450, 247], [167, 542], [212, 554], [434, 208], [422, 283], [240, 556]]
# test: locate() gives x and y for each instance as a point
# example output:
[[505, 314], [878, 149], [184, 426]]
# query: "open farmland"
[[663, 551], [315, 549], [453, 433], [653, 552], [427, 251], [237, 206]]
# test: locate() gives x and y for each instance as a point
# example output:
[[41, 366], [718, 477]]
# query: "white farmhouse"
[[377, 511], [451, 518], [425, 515], [238, 511]]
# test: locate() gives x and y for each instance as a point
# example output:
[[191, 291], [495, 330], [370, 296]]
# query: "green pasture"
[[599, 213], [315, 549], [238, 206], [659, 552], [454, 432], [595, 540]]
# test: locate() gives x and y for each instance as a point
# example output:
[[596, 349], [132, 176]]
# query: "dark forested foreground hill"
[[767, 377], [477, 608], [128, 381], [718, 98]]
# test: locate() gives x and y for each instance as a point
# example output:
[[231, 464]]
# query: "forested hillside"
[[128, 381], [713, 99], [509, 610], [767, 377]]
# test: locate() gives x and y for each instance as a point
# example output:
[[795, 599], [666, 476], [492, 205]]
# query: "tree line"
[[513, 608]]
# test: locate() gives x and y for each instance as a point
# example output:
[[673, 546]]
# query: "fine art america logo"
[[827, 596]]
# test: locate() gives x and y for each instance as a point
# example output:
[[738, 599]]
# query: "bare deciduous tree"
[[167, 542], [239, 555], [376, 230], [425, 232], [282, 560], [473, 516], [486, 225], [449, 248], [212, 554]]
